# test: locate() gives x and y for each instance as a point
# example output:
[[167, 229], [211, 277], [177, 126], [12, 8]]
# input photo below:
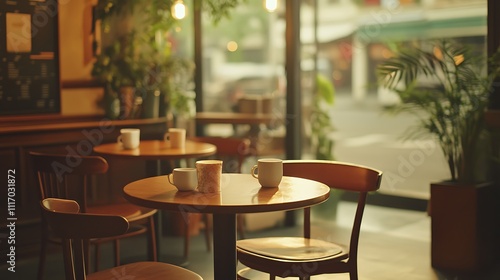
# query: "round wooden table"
[[240, 193], [157, 150]]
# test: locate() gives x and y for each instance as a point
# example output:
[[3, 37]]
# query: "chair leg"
[[41, 259], [208, 240], [86, 254], [116, 245], [240, 225], [153, 254], [353, 274], [353, 269], [186, 236], [97, 257]]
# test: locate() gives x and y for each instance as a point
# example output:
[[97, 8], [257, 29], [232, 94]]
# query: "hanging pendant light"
[[271, 5], [178, 10]]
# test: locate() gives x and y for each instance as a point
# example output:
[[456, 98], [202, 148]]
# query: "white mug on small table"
[[184, 178], [176, 137], [270, 171], [129, 138]]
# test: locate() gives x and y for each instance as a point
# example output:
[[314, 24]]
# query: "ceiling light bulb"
[[179, 10], [271, 5]]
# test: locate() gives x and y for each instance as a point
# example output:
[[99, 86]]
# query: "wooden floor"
[[394, 245]]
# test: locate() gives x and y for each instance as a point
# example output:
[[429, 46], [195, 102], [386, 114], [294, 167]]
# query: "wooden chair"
[[76, 229], [233, 152], [60, 178], [304, 256]]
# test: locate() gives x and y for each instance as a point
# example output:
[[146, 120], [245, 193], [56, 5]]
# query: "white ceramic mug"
[[270, 171], [184, 179], [209, 175], [129, 137], [176, 137]]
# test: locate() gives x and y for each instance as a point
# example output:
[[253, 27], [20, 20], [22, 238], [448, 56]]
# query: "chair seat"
[[291, 248], [129, 211], [145, 270], [252, 274]]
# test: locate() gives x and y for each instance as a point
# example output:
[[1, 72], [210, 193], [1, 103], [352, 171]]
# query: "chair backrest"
[[75, 229], [229, 147], [66, 176], [341, 176]]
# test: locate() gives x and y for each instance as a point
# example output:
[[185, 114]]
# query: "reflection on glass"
[[244, 58]]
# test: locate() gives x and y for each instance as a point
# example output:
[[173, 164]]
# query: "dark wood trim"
[[68, 84], [16, 119], [493, 41], [493, 26], [293, 140], [493, 119], [293, 137], [63, 123], [198, 59]]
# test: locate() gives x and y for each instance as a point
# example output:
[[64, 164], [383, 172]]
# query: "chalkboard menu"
[[29, 53]]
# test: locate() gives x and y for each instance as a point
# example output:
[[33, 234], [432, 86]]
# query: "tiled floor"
[[394, 245]]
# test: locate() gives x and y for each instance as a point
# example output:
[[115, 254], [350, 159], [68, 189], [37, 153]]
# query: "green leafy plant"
[[115, 65], [143, 57], [322, 143], [179, 73], [321, 124], [446, 86]]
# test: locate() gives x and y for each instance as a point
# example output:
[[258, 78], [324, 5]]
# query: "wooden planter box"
[[464, 226]]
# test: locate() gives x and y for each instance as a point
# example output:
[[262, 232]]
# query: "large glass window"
[[366, 31], [344, 41], [243, 58]]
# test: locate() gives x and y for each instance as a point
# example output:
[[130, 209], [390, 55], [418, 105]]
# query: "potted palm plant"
[[450, 106]]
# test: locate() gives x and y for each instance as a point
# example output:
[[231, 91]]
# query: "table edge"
[[155, 157], [229, 209]]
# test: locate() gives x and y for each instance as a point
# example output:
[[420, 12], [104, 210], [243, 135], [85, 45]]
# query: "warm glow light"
[[458, 59], [438, 53], [179, 10], [232, 46], [386, 54], [271, 5]]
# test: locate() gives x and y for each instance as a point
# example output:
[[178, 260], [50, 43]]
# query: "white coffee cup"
[[176, 137], [270, 171], [129, 137], [209, 175], [184, 179]]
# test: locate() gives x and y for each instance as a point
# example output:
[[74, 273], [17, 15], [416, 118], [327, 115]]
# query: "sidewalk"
[[365, 134]]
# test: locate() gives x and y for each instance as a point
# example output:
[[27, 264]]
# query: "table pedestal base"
[[224, 246]]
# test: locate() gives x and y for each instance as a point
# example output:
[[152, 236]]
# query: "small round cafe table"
[[157, 150], [240, 193]]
